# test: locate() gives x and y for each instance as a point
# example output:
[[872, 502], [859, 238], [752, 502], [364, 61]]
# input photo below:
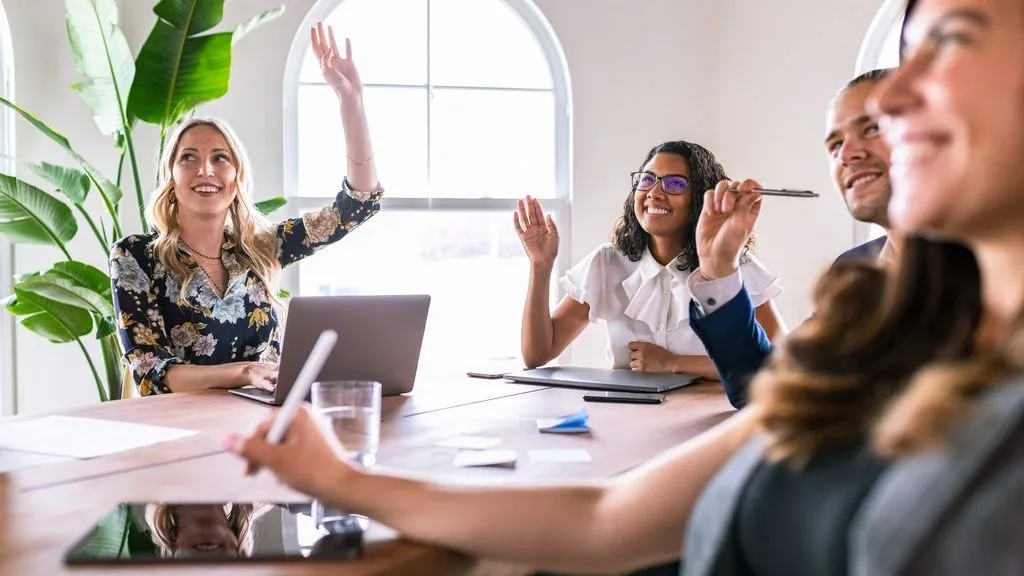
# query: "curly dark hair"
[[705, 172]]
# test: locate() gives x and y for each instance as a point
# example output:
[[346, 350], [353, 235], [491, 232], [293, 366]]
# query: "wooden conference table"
[[48, 507]]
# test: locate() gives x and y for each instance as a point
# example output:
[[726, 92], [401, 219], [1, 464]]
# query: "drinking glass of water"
[[352, 407]]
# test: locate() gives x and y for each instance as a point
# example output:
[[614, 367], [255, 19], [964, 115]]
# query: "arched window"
[[880, 49], [7, 384], [469, 108]]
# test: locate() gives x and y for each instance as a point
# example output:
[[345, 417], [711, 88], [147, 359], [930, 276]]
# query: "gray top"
[[954, 511]]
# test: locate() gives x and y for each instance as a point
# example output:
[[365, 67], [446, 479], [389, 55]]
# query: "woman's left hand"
[[340, 72], [648, 357]]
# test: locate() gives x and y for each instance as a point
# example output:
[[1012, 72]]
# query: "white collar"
[[647, 298]]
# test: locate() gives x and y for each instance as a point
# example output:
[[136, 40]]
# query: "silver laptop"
[[379, 338], [602, 378]]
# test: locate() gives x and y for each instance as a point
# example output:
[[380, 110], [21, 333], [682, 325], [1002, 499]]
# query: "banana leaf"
[[72, 183], [111, 193], [58, 323], [270, 205], [102, 56], [77, 289], [179, 66], [27, 214]]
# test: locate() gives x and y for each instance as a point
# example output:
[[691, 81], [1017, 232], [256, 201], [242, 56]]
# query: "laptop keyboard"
[[258, 393]]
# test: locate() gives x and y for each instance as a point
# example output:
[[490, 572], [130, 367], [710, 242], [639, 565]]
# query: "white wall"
[[749, 79]]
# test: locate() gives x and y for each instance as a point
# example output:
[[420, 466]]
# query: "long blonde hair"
[[253, 235], [162, 520]]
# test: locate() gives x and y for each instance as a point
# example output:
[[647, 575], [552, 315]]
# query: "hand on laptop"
[[308, 458], [262, 375]]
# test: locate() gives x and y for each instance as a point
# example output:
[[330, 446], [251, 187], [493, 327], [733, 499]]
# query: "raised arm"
[[721, 313], [544, 335], [634, 521], [359, 198]]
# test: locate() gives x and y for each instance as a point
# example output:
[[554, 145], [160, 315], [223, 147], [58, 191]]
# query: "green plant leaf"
[[65, 291], [27, 214], [105, 327], [102, 56], [270, 205], [192, 16], [255, 22], [109, 538], [107, 188], [70, 182], [85, 276], [58, 323], [176, 69]]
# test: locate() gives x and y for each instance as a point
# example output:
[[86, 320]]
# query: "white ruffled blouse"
[[648, 302]]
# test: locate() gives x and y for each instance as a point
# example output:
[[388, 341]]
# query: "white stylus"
[[303, 383]]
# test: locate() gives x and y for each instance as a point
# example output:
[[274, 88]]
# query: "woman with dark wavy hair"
[[637, 284], [886, 435]]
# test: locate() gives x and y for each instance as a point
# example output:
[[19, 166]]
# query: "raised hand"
[[537, 232], [725, 224], [340, 72]]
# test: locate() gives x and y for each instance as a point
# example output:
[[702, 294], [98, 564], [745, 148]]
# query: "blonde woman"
[[889, 427], [196, 300], [204, 530]]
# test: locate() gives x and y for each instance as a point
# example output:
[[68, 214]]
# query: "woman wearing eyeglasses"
[[637, 284]]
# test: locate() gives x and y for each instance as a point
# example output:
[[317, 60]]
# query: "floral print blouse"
[[157, 330]]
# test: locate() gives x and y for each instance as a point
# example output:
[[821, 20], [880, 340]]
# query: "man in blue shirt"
[[721, 312]]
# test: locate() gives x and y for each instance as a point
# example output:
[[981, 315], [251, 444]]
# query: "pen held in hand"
[[303, 382], [787, 192]]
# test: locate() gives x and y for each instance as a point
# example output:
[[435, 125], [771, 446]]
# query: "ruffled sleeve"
[[586, 282], [761, 284]]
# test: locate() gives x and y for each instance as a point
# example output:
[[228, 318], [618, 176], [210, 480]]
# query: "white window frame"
[[8, 385], [559, 206], [886, 19]]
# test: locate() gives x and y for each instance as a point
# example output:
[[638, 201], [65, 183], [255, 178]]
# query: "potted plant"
[[182, 64]]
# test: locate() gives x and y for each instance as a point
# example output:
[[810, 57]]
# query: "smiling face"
[[954, 116], [858, 155], [203, 531], [204, 173], [661, 213]]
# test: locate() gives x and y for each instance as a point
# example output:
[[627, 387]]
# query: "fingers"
[[253, 448], [717, 196], [524, 219], [550, 221], [312, 41], [515, 221], [634, 345], [536, 214], [334, 43], [348, 48]]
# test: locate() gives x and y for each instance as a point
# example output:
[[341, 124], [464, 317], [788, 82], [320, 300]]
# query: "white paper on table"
[[485, 458], [11, 460], [76, 437], [470, 442], [561, 455]]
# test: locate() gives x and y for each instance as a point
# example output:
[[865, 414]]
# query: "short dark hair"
[[705, 172], [869, 76]]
